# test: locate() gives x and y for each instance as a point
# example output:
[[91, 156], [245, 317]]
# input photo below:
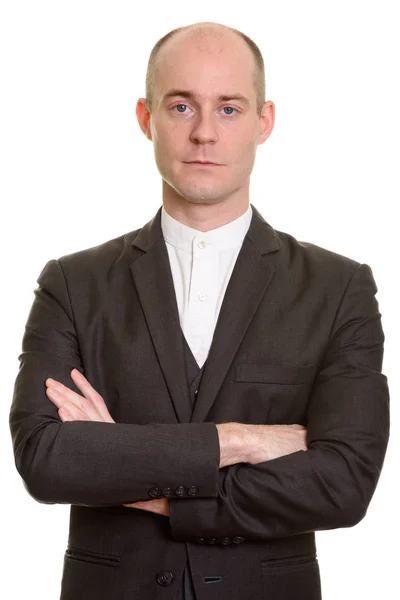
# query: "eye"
[[181, 109], [230, 108], [179, 106]]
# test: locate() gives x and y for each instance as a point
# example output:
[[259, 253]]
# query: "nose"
[[204, 130]]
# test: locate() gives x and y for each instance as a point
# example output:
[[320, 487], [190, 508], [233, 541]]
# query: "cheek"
[[167, 142], [240, 140], [243, 151], [165, 131]]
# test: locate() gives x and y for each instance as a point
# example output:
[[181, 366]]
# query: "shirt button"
[[202, 244], [202, 297]]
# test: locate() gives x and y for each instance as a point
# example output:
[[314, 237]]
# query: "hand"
[[91, 407], [253, 444], [159, 506], [267, 442], [73, 407]]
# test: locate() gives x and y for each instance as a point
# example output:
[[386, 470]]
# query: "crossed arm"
[[87, 460], [238, 442]]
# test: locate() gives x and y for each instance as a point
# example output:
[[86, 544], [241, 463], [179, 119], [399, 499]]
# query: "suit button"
[[167, 492], [238, 539], [180, 490], [200, 540], [192, 491], [212, 540], [164, 578], [154, 492], [196, 392], [225, 540]]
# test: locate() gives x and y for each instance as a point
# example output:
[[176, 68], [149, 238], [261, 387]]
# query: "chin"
[[196, 191], [197, 194], [202, 198]]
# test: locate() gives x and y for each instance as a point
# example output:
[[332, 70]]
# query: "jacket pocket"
[[99, 558], [290, 561], [292, 578], [274, 373], [89, 575]]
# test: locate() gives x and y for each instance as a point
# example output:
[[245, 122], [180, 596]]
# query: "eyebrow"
[[191, 95]]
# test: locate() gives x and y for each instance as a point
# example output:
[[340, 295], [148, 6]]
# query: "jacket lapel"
[[248, 283], [153, 280]]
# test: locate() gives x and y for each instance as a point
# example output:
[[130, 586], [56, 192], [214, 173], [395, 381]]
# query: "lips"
[[200, 162]]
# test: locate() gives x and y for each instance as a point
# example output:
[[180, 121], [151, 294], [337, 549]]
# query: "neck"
[[204, 216]]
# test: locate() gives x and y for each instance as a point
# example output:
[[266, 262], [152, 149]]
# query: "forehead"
[[207, 64]]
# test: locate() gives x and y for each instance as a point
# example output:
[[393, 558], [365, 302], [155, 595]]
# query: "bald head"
[[208, 38]]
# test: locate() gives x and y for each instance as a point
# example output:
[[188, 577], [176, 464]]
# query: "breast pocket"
[[282, 390], [274, 373]]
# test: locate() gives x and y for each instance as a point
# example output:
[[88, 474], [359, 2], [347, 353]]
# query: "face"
[[204, 123]]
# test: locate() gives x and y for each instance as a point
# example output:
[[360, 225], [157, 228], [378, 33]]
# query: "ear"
[[267, 121], [143, 117]]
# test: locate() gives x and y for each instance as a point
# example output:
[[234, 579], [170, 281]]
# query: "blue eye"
[[181, 109]]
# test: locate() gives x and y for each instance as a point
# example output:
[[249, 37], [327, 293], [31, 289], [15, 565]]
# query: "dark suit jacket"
[[298, 340]]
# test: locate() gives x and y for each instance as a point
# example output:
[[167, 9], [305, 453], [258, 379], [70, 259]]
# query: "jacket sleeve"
[[92, 463], [331, 484]]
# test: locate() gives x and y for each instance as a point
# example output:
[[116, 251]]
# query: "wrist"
[[234, 442]]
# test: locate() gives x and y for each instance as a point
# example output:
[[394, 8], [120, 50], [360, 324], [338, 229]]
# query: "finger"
[[62, 391], [86, 388], [91, 406], [70, 413], [78, 407], [64, 414], [158, 505], [137, 505], [142, 505], [54, 397], [90, 393]]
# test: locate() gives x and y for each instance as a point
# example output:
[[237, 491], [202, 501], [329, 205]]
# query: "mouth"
[[203, 163]]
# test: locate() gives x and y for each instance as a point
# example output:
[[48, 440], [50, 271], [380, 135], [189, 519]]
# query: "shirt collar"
[[227, 236]]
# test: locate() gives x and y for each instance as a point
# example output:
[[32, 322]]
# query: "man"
[[206, 391]]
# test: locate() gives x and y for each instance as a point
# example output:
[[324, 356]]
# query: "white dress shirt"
[[201, 265]]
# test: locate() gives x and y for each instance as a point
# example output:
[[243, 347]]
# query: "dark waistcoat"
[[194, 375]]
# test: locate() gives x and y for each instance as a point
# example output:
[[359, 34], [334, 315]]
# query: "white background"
[[77, 171]]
